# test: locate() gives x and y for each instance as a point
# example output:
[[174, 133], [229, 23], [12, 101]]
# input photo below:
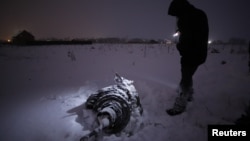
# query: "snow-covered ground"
[[43, 88]]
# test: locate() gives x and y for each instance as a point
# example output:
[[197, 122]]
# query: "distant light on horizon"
[[9, 40], [209, 41]]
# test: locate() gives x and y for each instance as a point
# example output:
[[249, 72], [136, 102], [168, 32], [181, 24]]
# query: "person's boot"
[[179, 105]]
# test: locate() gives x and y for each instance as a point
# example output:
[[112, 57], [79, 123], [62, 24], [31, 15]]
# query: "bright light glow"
[[176, 34], [8, 40], [209, 42]]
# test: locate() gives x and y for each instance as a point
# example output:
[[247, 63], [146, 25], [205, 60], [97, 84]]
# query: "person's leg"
[[186, 83], [185, 88]]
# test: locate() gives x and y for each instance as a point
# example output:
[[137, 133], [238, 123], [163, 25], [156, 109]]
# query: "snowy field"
[[43, 88]]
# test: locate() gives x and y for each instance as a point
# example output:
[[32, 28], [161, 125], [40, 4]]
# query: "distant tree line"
[[125, 40], [231, 41], [26, 38]]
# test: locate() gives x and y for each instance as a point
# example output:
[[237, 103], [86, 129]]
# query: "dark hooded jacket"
[[193, 27]]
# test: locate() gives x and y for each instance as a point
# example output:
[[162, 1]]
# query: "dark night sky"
[[117, 18]]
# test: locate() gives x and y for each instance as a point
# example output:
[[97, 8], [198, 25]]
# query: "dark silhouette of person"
[[192, 24]]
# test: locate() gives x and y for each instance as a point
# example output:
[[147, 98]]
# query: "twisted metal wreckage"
[[114, 106]]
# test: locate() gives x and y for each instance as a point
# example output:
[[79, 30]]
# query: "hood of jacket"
[[179, 7]]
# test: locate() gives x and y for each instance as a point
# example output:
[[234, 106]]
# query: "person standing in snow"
[[192, 24]]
